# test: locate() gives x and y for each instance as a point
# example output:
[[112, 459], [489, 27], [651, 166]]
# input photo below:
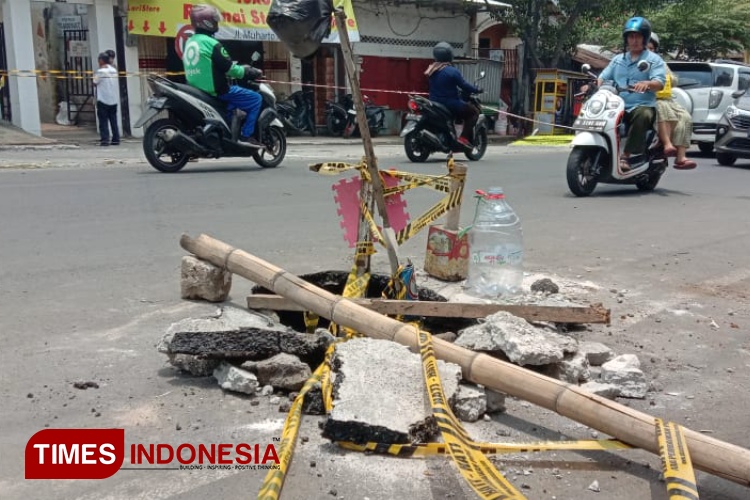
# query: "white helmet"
[[655, 40]]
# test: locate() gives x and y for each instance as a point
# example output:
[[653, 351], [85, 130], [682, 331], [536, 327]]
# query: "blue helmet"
[[637, 25]]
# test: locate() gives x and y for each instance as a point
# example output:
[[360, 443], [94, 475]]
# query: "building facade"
[[55, 46]]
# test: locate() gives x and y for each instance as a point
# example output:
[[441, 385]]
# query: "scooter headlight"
[[595, 107]]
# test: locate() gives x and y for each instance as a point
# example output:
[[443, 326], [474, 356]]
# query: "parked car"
[[733, 132], [709, 86]]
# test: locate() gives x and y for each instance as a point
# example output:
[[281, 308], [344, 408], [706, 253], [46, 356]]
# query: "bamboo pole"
[[626, 424], [372, 161], [457, 182]]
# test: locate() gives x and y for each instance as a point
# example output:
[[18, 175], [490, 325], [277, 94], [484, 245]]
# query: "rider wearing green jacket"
[[207, 66]]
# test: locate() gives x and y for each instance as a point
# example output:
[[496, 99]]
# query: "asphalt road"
[[89, 281]]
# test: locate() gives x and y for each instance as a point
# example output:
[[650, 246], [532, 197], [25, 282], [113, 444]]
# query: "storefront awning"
[[241, 20]]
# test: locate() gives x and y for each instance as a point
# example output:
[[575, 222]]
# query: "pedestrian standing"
[[107, 97]]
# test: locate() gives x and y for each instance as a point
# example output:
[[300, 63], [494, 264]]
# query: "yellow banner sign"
[[241, 19]]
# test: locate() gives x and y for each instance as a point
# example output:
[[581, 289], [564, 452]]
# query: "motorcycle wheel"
[[275, 150], [480, 145], [311, 125], [153, 147], [649, 184], [414, 148], [581, 180], [335, 125]]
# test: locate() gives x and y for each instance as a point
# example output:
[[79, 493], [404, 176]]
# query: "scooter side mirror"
[[644, 66], [482, 74], [585, 68], [255, 57]]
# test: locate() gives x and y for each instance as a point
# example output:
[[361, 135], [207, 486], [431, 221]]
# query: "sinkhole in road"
[[334, 282]]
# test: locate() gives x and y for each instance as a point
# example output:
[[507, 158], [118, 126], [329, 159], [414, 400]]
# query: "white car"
[[709, 86]]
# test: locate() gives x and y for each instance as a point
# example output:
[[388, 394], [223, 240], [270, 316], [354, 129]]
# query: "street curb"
[[37, 147], [292, 141]]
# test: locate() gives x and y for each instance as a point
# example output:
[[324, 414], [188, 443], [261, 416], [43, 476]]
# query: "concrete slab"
[[379, 394], [240, 335]]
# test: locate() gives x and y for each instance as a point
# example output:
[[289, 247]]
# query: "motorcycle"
[[375, 118], [341, 119], [199, 125], [337, 115], [599, 143], [430, 128], [297, 112]]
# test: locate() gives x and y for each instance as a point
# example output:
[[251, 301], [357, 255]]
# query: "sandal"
[[685, 165], [624, 165]]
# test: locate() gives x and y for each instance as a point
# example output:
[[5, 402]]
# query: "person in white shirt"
[[107, 97]]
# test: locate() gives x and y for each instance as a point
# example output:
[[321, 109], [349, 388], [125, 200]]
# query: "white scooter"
[[600, 140]]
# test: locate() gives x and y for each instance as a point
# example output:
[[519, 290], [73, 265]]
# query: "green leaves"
[[691, 29], [688, 29]]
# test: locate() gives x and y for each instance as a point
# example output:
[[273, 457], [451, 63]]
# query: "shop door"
[[79, 88]]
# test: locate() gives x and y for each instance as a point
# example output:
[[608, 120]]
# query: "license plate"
[[413, 117], [583, 124]]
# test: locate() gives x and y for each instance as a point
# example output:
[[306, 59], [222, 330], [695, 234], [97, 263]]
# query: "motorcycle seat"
[[216, 103], [443, 109]]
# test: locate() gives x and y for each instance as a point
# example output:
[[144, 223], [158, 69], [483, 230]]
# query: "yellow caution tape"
[[371, 224], [356, 287], [440, 183], [431, 449], [473, 465], [274, 480], [311, 321], [71, 74], [675, 458], [363, 249], [449, 202], [335, 167]]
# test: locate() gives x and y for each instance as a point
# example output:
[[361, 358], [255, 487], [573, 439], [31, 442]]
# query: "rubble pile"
[[245, 351], [253, 353]]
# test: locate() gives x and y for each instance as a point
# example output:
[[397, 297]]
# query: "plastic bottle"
[[495, 247]]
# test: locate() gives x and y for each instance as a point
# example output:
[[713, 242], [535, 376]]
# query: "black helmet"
[[637, 25], [205, 18], [443, 52]]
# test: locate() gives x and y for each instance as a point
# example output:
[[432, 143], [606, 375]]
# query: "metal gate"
[[79, 88], [4, 84]]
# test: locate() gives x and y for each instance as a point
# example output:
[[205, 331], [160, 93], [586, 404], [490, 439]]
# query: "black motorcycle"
[[199, 125], [341, 119], [430, 128], [337, 115], [296, 112]]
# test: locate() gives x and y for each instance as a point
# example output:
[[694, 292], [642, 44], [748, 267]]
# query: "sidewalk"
[[68, 137]]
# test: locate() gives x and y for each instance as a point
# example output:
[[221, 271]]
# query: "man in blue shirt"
[[640, 103], [445, 81]]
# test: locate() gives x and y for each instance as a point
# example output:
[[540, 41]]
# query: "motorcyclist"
[[445, 80], [640, 103], [207, 66]]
